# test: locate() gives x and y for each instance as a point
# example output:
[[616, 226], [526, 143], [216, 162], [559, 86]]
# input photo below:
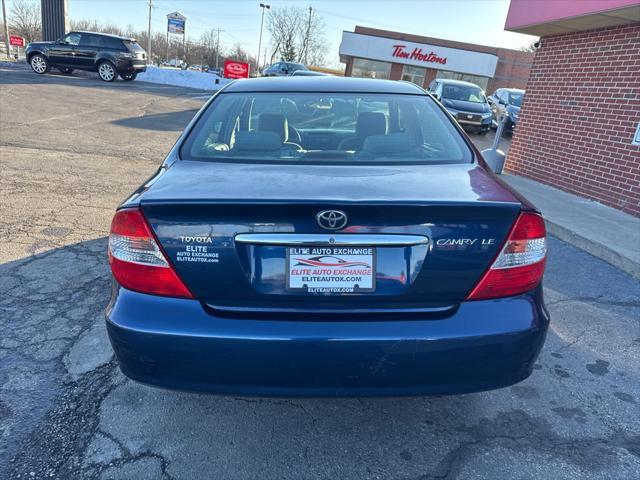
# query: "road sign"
[[233, 69], [16, 41], [176, 23]]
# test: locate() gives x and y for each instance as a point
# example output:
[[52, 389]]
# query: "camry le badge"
[[332, 219]]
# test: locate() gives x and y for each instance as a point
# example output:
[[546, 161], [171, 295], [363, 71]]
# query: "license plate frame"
[[349, 255], [475, 119]]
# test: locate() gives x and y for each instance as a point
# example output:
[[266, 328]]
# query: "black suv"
[[109, 55]]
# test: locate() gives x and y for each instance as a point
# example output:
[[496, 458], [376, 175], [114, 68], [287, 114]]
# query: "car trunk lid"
[[232, 231]]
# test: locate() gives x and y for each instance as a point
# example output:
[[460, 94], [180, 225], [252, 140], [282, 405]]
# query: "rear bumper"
[[175, 343], [129, 66]]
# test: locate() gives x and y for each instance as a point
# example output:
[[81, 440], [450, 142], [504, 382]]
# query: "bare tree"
[[85, 25], [25, 21], [297, 34], [239, 54], [209, 41], [530, 47]]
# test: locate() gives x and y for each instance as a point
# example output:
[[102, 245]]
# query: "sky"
[[473, 21]]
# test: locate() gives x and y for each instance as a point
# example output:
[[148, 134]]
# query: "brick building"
[[369, 52], [581, 112]]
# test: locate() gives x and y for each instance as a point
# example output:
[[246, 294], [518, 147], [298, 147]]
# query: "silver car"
[[282, 69]]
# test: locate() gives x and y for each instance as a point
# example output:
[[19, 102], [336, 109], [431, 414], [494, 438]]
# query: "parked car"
[[109, 55], [282, 69], [303, 239], [175, 63], [465, 101], [507, 102]]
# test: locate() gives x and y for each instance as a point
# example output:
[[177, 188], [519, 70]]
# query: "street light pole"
[[268, 7], [6, 27], [306, 39], [218, 47], [148, 33]]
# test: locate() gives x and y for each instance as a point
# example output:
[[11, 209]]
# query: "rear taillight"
[[137, 262], [520, 264]]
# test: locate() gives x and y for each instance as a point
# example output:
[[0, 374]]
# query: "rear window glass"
[[110, 42], [325, 127], [91, 41], [133, 46]]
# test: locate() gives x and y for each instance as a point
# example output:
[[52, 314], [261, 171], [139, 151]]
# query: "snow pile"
[[182, 78]]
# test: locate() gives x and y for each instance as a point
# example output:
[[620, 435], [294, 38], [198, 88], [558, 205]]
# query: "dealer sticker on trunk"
[[331, 269]]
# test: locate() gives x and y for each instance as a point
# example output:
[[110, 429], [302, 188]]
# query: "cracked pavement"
[[71, 148]]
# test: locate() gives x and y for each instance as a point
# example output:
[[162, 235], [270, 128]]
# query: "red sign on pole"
[[16, 41], [233, 69]]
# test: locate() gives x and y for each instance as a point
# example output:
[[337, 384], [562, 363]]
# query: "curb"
[[596, 249]]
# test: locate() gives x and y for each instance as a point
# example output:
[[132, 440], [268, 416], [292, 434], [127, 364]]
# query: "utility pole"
[[209, 50], [218, 46], [6, 27], [148, 32], [306, 41], [263, 6]]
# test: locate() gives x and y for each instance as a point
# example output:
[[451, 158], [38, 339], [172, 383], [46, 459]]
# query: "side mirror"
[[61, 42]]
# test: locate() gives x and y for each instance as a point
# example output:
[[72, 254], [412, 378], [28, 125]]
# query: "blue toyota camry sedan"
[[322, 236]]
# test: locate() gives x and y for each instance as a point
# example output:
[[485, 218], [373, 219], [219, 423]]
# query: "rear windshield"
[[325, 127], [133, 46]]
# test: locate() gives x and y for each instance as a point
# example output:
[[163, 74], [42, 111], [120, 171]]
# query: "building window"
[[478, 80], [414, 74], [370, 68]]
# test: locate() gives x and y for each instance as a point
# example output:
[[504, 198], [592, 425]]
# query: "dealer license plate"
[[331, 269]]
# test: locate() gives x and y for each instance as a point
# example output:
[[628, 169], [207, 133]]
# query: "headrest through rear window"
[[371, 123], [256, 141], [274, 122]]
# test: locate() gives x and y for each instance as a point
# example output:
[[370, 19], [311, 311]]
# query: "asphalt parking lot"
[[71, 148]]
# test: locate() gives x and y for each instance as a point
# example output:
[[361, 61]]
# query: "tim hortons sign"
[[400, 51]]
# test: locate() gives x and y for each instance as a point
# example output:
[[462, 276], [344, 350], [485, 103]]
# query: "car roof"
[[457, 82], [323, 84], [515, 90], [119, 37]]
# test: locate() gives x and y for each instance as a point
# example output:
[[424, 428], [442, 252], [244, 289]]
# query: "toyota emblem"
[[332, 219]]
